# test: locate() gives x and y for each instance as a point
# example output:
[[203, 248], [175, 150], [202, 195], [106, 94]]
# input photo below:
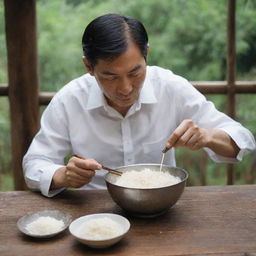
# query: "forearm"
[[221, 143], [59, 179]]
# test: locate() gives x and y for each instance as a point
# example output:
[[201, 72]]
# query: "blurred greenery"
[[188, 37]]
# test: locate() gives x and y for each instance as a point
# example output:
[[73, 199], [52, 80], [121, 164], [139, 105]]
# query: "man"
[[124, 112]]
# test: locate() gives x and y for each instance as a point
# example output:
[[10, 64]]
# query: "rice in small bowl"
[[144, 191], [99, 230]]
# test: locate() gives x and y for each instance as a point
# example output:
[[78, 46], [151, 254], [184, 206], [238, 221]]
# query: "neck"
[[122, 110]]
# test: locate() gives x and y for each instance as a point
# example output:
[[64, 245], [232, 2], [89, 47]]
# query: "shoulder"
[[166, 80], [77, 89], [78, 85]]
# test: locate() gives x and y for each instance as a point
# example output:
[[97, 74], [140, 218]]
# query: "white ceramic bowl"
[[75, 227]]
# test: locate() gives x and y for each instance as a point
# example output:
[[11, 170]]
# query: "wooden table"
[[210, 220]]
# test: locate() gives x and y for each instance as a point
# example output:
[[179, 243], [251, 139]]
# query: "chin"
[[125, 104]]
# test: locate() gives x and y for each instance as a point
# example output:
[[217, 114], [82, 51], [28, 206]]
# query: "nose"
[[125, 86]]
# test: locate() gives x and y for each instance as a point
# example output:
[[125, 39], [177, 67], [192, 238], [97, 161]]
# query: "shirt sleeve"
[[47, 151], [193, 105]]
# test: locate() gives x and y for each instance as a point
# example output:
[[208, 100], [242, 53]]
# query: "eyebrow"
[[135, 68], [114, 74]]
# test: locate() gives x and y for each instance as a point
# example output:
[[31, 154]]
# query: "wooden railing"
[[24, 95], [205, 87]]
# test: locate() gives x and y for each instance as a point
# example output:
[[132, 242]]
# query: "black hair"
[[107, 36]]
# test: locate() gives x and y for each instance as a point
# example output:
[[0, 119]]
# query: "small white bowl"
[[76, 225]]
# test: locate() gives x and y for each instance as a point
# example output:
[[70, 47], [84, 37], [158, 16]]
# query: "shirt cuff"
[[46, 180], [221, 159], [241, 140]]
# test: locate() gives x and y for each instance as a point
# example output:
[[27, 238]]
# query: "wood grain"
[[211, 220], [20, 19]]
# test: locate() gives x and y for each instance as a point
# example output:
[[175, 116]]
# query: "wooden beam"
[[205, 87], [231, 71], [221, 87], [45, 97], [4, 90], [20, 20]]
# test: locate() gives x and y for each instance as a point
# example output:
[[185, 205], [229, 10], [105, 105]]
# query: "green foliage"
[[5, 147], [6, 182], [184, 36], [188, 37], [246, 37]]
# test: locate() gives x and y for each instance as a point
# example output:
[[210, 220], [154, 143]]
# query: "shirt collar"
[[147, 93], [96, 98]]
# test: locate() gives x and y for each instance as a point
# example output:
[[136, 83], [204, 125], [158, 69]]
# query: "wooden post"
[[231, 71], [203, 168], [20, 20]]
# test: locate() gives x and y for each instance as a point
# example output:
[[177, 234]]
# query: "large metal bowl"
[[146, 202]]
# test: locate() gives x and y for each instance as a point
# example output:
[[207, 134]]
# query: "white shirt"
[[79, 121]]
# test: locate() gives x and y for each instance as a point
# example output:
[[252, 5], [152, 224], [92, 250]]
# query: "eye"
[[110, 78], [135, 74]]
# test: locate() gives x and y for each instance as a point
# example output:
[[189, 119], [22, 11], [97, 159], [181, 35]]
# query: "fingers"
[[75, 180], [179, 135], [80, 171], [89, 164], [188, 138], [188, 135]]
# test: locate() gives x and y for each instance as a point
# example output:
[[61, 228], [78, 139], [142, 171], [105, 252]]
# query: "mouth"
[[125, 98], [124, 101]]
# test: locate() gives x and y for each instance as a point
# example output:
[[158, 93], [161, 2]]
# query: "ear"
[[88, 66], [145, 57], [148, 48]]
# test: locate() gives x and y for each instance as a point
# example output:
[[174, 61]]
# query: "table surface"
[[209, 220]]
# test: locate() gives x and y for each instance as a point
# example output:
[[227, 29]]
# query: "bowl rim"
[[153, 164], [91, 216]]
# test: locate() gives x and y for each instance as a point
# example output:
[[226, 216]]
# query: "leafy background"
[[188, 37]]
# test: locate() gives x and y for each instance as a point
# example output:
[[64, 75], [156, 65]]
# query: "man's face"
[[122, 78]]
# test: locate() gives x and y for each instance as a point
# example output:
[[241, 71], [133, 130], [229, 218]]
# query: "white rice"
[[100, 229], [146, 178], [44, 226]]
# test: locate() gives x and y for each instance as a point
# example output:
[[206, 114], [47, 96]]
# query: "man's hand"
[[190, 135], [76, 173]]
